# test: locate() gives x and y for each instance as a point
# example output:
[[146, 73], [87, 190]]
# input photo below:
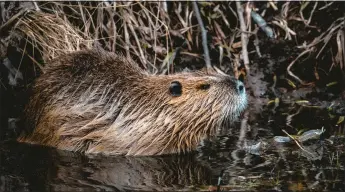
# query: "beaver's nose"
[[240, 87]]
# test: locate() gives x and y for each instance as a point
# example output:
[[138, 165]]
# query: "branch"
[[203, 34], [244, 37]]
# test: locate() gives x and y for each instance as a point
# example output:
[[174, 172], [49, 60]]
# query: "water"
[[280, 168]]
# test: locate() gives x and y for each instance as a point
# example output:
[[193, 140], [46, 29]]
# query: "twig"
[[282, 24], [256, 43], [307, 22], [328, 37], [297, 143], [33, 59], [235, 64], [325, 6], [204, 35], [273, 5], [293, 62], [13, 18], [312, 13], [126, 39], [83, 18], [155, 31], [113, 25], [37, 7], [285, 10], [244, 37], [290, 116], [165, 6], [21, 59], [340, 57], [141, 56]]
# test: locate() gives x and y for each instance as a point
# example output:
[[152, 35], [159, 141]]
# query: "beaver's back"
[[73, 78], [75, 73], [93, 63]]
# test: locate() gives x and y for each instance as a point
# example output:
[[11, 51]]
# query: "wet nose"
[[240, 87]]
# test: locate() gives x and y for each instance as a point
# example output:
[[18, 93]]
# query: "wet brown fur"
[[98, 102]]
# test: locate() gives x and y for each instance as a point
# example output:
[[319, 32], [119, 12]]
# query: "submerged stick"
[[203, 34], [243, 130], [297, 143]]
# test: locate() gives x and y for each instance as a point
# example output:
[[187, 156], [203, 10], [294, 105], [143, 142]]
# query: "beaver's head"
[[173, 113], [207, 93]]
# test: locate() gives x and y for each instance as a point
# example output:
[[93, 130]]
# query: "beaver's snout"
[[235, 84], [238, 95], [240, 87]]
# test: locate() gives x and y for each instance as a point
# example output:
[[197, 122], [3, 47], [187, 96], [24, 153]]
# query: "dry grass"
[[52, 35], [153, 33]]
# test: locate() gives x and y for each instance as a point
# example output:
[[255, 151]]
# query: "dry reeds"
[[154, 33], [51, 35]]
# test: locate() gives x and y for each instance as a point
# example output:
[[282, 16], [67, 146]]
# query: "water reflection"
[[33, 168], [132, 173]]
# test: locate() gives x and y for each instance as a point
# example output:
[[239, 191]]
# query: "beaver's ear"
[[212, 70], [204, 70], [219, 71], [96, 46], [203, 86]]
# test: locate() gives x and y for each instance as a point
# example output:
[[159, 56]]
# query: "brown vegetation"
[[154, 32]]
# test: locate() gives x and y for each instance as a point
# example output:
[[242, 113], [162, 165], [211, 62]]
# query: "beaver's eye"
[[204, 86], [175, 88]]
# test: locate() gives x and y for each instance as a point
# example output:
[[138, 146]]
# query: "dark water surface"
[[280, 168]]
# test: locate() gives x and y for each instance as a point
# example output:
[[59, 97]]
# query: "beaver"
[[94, 101]]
